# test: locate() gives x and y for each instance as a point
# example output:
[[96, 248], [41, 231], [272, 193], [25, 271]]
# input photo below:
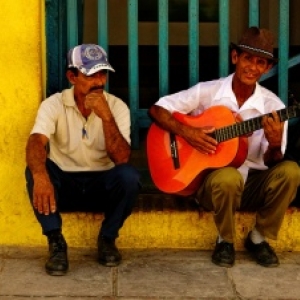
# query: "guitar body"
[[193, 165]]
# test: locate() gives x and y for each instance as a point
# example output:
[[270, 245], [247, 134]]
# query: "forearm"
[[117, 147], [165, 120], [36, 155]]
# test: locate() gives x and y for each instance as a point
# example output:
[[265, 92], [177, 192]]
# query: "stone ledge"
[[158, 221]]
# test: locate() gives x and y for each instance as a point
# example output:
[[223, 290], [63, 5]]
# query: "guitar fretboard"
[[248, 126]]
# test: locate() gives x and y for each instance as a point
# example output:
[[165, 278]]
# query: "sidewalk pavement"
[[146, 274]]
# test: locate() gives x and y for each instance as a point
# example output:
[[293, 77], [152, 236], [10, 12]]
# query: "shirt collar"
[[255, 101], [68, 97]]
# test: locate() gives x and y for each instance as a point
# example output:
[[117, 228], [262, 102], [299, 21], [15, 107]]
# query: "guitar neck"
[[251, 125]]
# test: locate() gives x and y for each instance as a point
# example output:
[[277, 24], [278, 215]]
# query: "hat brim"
[[92, 69], [253, 52]]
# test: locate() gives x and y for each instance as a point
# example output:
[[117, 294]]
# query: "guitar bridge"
[[174, 151]]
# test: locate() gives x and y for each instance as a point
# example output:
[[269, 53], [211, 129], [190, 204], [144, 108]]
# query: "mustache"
[[96, 87]]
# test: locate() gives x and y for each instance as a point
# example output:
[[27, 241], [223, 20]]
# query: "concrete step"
[[160, 221]]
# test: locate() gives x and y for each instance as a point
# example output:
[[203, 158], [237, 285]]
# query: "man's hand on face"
[[96, 101]]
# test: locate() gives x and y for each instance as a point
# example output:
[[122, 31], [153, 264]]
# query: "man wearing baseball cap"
[[254, 177], [77, 158]]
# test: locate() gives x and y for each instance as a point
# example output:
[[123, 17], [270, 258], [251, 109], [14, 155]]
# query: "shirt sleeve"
[[45, 122], [184, 101]]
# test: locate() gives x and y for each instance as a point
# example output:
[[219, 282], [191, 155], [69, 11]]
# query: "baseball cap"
[[88, 59]]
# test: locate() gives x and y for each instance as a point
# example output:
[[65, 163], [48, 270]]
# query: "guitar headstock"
[[292, 100], [294, 103]]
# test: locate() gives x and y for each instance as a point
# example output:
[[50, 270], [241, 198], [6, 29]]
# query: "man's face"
[[84, 85], [249, 68]]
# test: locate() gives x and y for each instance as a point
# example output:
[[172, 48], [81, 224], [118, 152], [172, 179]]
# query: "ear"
[[269, 67], [71, 77], [234, 56]]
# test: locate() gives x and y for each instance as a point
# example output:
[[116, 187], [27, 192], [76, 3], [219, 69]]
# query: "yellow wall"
[[21, 91], [20, 95]]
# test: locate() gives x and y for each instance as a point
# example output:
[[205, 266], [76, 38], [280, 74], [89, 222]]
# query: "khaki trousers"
[[268, 192]]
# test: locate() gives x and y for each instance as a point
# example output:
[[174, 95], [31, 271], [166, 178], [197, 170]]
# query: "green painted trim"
[[55, 46], [223, 37], [133, 70], [193, 42], [163, 47]]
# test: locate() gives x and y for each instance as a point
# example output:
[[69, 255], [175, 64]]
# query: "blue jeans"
[[112, 192]]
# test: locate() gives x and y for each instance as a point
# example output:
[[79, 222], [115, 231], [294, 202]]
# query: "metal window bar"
[[223, 37], [193, 41], [72, 23], [163, 46], [283, 41], [102, 24], [133, 69], [139, 116], [253, 12]]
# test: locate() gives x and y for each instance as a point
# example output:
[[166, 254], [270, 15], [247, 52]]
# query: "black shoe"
[[263, 253], [224, 254], [57, 263], [108, 253]]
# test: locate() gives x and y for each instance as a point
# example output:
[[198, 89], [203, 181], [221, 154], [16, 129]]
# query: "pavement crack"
[[236, 294], [114, 277]]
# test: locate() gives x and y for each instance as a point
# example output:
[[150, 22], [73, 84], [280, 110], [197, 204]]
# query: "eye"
[[262, 62], [247, 56]]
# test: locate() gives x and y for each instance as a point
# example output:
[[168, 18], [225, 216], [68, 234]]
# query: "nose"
[[254, 63]]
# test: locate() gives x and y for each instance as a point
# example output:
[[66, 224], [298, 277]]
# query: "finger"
[[52, 204], [266, 121], [35, 203], [40, 205], [208, 148], [46, 206], [208, 129], [210, 142], [276, 116]]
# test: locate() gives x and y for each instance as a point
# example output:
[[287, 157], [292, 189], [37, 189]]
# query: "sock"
[[256, 236], [220, 239]]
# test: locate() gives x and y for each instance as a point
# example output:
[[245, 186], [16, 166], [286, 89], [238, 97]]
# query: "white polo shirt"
[[203, 95], [78, 144]]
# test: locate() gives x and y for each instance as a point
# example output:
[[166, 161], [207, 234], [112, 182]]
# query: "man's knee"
[[228, 179], [128, 175], [227, 187], [290, 171]]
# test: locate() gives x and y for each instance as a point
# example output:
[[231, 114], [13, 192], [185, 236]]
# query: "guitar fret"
[[251, 125], [281, 114], [234, 131]]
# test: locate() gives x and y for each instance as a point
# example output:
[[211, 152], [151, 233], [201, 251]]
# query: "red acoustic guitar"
[[177, 168]]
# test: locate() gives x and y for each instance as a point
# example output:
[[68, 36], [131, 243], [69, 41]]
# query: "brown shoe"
[[263, 253]]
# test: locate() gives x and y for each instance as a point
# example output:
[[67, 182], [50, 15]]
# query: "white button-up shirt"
[[204, 95]]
